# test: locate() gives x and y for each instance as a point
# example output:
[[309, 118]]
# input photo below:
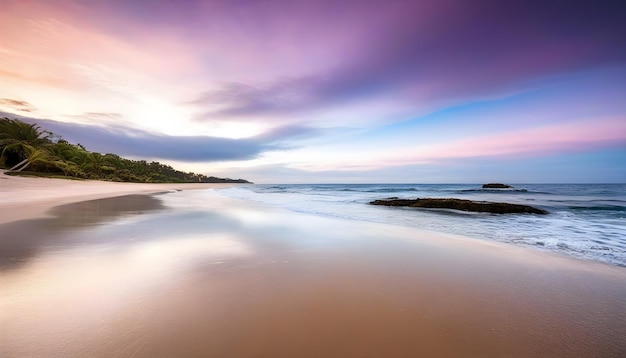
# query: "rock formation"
[[496, 186], [461, 204]]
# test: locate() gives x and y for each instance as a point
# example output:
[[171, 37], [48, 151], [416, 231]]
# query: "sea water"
[[587, 221]]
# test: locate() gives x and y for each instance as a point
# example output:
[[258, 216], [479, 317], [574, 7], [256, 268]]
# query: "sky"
[[298, 91]]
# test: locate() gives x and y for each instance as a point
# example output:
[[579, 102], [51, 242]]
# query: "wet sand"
[[196, 275], [31, 197]]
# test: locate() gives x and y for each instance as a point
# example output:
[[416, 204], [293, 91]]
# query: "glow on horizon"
[[321, 88]]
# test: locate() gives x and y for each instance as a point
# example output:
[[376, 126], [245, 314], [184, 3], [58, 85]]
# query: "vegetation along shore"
[[27, 149]]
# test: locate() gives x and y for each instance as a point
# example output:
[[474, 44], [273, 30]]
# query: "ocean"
[[586, 221]]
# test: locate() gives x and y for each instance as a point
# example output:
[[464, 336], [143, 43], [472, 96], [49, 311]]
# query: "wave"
[[619, 202], [294, 189], [582, 224], [389, 190], [599, 208]]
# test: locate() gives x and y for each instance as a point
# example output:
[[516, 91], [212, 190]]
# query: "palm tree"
[[35, 157], [95, 160], [20, 140]]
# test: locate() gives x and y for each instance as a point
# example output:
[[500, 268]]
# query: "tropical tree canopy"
[[27, 147], [19, 140]]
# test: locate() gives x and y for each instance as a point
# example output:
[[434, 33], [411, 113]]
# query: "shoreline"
[[32, 197], [23, 198]]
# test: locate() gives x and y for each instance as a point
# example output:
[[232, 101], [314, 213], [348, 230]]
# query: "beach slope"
[[31, 197]]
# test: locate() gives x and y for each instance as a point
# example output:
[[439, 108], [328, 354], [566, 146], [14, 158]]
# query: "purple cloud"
[[429, 53]]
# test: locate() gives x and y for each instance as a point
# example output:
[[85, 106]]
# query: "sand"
[[200, 275], [31, 197]]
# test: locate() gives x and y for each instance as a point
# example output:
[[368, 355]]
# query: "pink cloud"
[[552, 139], [56, 44], [541, 140]]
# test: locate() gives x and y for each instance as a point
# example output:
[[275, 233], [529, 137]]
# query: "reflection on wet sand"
[[22, 240], [207, 276]]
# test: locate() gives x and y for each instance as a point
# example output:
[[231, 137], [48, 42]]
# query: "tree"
[[20, 140], [36, 157]]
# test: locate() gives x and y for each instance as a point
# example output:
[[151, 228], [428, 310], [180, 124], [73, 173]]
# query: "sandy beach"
[[94, 269], [30, 197]]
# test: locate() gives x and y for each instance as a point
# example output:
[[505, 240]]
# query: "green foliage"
[[27, 146], [19, 140]]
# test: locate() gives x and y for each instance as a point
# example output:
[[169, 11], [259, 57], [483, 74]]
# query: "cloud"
[[102, 115], [429, 55], [240, 99], [102, 118], [126, 141], [14, 104]]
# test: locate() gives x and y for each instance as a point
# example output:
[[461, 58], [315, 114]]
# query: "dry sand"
[[31, 197]]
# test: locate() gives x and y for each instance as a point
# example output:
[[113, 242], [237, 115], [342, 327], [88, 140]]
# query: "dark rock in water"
[[496, 186], [461, 204]]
